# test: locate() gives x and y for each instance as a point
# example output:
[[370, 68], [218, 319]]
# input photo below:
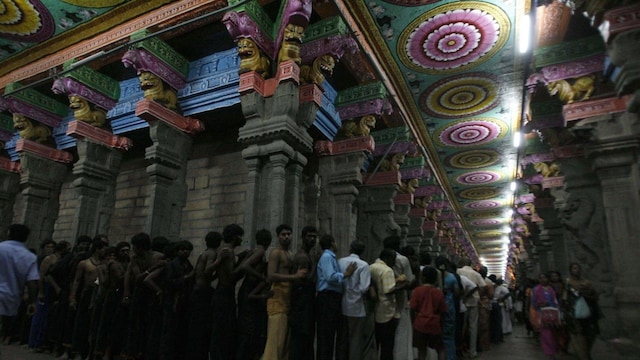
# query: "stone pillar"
[[402, 207], [278, 113], [376, 212], [167, 173], [41, 180], [415, 234], [96, 170], [341, 174], [9, 187]]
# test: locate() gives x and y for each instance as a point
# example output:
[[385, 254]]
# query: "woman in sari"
[[582, 312], [451, 291], [544, 300]]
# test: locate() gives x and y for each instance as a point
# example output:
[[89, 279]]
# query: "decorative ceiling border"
[[95, 35]]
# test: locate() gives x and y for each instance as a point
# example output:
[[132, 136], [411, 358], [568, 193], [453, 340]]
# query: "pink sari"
[[547, 297]]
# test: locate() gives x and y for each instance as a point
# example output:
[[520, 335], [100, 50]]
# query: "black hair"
[[408, 251], [263, 237], [283, 227], [213, 239], [357, 247], [387, 254], [46, 242], [183, 245], [325, 241], [98, 244], [392, 242], [159, 243], [230, 232], [111, 250], [122, 244], [425, 257], [141, 241], [429, 275], [83, 239], [308, 229], [62, 246]]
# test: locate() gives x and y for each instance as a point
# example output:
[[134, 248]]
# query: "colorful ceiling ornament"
[[458, 96], [28, 21], [453, 37], [480, 193], [483, 205], [478, 178], [471, 132], [473, 159], [486, 222]]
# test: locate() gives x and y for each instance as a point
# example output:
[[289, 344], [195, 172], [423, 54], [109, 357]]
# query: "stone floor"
[[517, 346]]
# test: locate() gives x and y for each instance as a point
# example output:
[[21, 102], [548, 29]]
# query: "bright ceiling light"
[[517, 138], [525, 34], [513, 186]]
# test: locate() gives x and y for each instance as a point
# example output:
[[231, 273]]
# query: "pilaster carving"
[[9, 187]]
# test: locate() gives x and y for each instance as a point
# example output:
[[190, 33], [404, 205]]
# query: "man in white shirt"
[[471, 303], [18, 268], [360, 337]]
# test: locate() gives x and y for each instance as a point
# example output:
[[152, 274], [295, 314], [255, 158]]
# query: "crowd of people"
[[563, 314], [144, 299]]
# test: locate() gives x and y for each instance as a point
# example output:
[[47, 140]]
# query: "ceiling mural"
[[458, 61]]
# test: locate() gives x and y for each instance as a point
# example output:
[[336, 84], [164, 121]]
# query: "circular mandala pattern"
[[473, 159], [471, 132], [483, 205], [486, 222], [25, 21], [480, 193], [484, 214], [478, 178], [453, 37], [455, 96]]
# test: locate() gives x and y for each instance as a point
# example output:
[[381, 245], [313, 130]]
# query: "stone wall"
[[63, 228]]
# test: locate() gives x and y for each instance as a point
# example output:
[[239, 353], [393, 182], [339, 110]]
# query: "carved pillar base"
[[376, 212], [415, 233], [9, 187], [167, 173], [96, 170], [41, 179]]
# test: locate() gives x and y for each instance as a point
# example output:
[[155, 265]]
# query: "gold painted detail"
[[29, 129], [291, 40], [361, 127], [321, 68], [19, 18], [579, 90], [252, 58], [154, 89], [82, 112]]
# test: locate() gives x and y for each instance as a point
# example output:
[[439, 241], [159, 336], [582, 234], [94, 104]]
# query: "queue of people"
[[144, 299]]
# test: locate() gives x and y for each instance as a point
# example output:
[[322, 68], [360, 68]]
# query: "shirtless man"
[[223, 337], [200, 301], [303, 291], [84, 281], [279, 274]]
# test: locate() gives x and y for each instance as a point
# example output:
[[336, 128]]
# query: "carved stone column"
[[415, 234], [9, 187], [167, 173], [41, 179], [341, 174], [376, 212], [96, 170], [402, 208]]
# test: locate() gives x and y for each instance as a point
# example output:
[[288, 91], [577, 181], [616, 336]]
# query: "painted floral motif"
[[454, 97], [25, 21], [478, 178], [482, 205], [485, 214], [471, 132], [480, 193], [473, 159], [453, 37], [489, 234], [485, 222]]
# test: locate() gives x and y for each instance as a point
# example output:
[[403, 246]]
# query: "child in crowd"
[[427, 311]]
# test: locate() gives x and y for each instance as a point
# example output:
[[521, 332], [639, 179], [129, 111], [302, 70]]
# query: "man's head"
[[464, 261], [357, 247], [47, 247], [263, 238], [284, 232], [388, 255], [141, 242], [232, 234], [98, 246], [442, 263], [83, 243], [429, 275], [62, 247], [159, 244], [483, 271], [183, 249], [213, 239], [327, 242], [392, 242], [309, 237], [425, 258], [123, 248]]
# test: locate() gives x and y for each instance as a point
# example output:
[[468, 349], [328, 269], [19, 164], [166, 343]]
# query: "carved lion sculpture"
[[360, 128], [30, 130], [433, 215], [154, 89], [394, 164], [252, 58], [580, 90], [321, 68], [422, 202], [547, 170], [290, 47], [82, 112], [409, 186]]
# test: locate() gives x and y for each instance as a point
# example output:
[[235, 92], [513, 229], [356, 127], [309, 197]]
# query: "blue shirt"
[[17, 266], [328, 271]]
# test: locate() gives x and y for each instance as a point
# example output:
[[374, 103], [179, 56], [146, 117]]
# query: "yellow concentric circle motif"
[[19, 18], [455, 96], [488, 234], [454, 37], [480, 193], [473, 159]]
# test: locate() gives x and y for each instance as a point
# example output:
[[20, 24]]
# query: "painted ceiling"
[[454, 64]]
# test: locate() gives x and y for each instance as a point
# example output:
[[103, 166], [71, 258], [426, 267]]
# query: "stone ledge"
[[362, 143], [80, 130], [8, 165], [590, 108], [383, 178], [152, 111], [403, 199], [44, 151]]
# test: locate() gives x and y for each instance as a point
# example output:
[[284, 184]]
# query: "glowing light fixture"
[[525, 35]]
